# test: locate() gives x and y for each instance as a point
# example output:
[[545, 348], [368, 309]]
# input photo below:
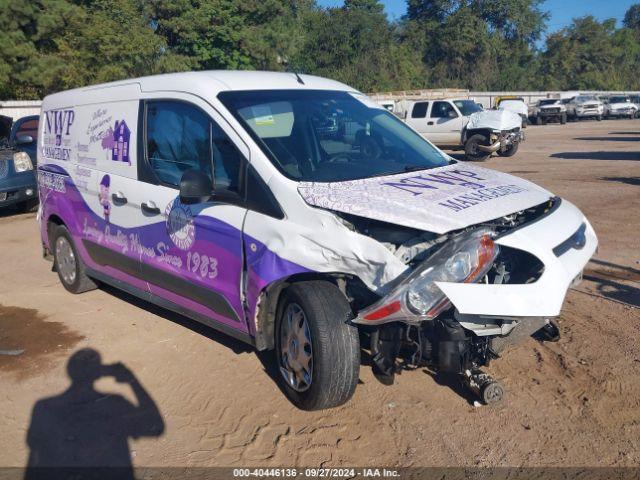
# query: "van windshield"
[[330, 136]]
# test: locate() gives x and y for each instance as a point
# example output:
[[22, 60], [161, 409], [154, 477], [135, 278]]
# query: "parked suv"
[[619, 106], [18, 185], [585, 106], [219, 196], [549, 110]]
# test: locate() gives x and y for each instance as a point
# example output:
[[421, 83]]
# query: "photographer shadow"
[[83, 431]]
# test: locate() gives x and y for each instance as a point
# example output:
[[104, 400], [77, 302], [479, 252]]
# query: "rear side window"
[[443, 110], [420, 110], [182, 137]]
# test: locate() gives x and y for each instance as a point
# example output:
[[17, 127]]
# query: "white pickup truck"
[[462, 124]]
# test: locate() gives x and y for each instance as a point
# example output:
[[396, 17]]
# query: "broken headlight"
[[465, 258]]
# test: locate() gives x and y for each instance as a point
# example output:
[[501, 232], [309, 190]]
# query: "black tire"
[[80, 282], [543, 121], [471, 150], [335, 345], [563, 119], [509, 151], [599, 118]]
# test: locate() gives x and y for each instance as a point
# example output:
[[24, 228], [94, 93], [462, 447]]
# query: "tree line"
[[53, 45]]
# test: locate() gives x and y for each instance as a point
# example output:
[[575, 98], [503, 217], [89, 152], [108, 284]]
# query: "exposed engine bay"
[[450, 343]]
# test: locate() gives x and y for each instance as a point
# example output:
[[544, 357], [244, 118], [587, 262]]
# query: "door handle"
[[150, 208], [429, 123], [119, 198]]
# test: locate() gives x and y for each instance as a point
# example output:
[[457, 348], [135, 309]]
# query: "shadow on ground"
[[613, 281], [609, 139], [627, 180], [231, 343], [618, 155], [83, 428]]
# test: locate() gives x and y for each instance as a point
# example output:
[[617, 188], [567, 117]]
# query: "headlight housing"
[[22, 162], [465, 258]]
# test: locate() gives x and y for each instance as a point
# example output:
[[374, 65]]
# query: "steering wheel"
[[339, 158], [370, 148]]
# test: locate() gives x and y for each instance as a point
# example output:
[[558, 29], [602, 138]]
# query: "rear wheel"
[[599, 118], [318, 352], [510, 151], [67, 262], [471, 150]]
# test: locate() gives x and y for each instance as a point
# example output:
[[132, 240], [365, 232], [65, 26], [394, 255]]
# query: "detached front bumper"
[[556, 241]]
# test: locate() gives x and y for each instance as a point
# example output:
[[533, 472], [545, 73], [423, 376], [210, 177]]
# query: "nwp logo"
[[58, 123]]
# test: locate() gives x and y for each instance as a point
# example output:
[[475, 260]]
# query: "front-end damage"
[[470, 293]]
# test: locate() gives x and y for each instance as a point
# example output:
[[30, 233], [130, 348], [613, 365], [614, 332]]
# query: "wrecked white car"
[[461, 124], [296, 215]]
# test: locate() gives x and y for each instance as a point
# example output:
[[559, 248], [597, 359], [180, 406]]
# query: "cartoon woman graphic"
[[103, 196]]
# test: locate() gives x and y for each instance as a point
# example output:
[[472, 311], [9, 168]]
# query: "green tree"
[[356, 44], [632, 17], [589, 54]]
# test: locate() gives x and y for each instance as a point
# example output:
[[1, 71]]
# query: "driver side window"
[[180, 137], [443, 110]]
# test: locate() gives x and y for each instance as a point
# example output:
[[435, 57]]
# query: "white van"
[[295, 214]]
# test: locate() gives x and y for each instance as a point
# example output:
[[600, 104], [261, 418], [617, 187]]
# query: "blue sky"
[[562, 11]]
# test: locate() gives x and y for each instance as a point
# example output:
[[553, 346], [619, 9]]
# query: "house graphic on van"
[[121, 136]]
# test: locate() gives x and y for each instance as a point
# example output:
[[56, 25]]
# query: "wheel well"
[[52, 222], [352, 288]]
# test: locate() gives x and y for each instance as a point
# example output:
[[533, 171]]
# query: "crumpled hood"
[[438, 200], [495, 120]]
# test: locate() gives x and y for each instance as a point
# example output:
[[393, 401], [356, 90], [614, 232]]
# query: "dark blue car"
[[18, 181]]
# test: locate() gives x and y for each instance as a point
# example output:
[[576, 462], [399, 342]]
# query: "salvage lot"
[[575, 402]]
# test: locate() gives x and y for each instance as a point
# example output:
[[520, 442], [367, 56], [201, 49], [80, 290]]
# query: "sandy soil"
[[211, 401]]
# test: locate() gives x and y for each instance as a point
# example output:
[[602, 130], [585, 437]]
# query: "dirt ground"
[[211, 401]]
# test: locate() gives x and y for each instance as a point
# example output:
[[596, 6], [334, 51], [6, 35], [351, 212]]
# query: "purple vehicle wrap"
[[147, 259]]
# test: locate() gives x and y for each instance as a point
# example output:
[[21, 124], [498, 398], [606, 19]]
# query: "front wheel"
[[510, 151], [471, 150], [318, 351], [599, 118]]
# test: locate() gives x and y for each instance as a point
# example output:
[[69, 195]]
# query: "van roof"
[[208, 83]]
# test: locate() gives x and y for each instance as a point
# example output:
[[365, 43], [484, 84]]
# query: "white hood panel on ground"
[[437, 200], [495, 120]]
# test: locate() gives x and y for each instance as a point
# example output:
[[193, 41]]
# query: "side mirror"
[[452, 114], [195, 187], [24, 139]]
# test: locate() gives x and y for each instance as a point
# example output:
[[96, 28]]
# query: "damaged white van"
[[295, 214]]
